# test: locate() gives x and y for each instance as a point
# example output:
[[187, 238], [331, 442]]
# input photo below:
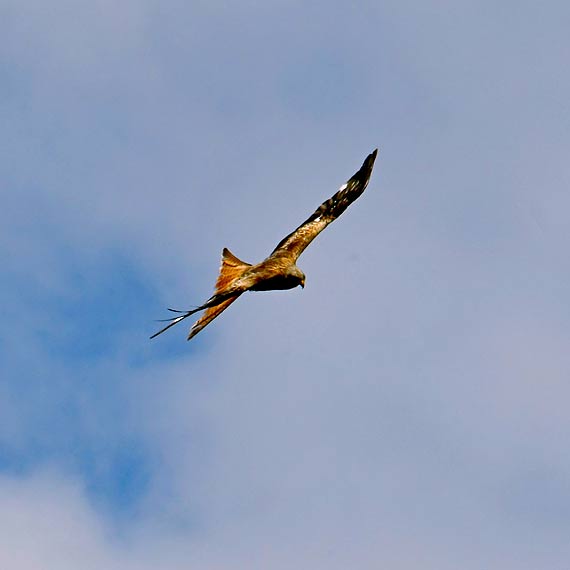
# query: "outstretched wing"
[[209, 315], [295, 243]]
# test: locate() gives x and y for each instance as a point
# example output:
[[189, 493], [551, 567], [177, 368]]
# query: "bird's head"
[[297, 274]]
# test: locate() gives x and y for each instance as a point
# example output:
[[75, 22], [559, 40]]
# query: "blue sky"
[[408, 408]]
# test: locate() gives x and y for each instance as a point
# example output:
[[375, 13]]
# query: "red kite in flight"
[[278, 271]]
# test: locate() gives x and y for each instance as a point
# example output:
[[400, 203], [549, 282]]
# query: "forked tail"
[[231, 269]]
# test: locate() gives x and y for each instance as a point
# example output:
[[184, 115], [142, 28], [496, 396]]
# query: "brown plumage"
[[279, 270], [231, 268]]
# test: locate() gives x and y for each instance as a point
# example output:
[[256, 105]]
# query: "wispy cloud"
[[406, 409]]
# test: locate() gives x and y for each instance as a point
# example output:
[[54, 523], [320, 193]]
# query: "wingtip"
[[368, 164]]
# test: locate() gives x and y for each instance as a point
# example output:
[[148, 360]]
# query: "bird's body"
[[278, 271]]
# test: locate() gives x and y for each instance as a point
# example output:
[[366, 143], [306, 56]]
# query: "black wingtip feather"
[[366, 169]]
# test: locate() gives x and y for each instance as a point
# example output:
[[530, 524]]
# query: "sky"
[[408, 409]]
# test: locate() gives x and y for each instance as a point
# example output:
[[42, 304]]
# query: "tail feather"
[[231, 269]]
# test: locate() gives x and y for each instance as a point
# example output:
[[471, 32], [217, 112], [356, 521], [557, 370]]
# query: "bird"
[[279, 270]]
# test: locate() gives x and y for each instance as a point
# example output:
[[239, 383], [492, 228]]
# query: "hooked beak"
[[302, 284]]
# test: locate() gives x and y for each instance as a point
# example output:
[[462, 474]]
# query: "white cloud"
[[46, 524], [403, 411]]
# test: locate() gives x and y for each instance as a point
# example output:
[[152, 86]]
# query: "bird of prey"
[[279, 270]]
